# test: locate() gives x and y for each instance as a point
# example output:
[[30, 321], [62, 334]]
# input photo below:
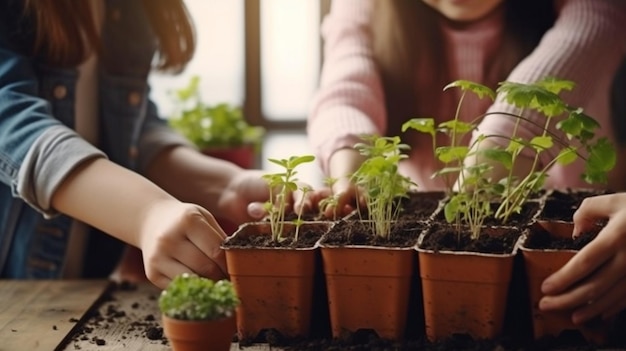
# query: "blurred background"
[[263, 56]]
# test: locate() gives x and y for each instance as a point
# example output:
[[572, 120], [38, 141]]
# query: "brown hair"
[[406, 40], [62, 25]]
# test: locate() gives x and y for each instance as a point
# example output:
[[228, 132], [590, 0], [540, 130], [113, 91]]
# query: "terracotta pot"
[[274, 285], [464, 292], [369, 287], [244, 156], [184, 335], [539, 264]]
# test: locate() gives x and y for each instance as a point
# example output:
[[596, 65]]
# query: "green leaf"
[[448, 154], [602, 159], [480, 90], [424, 125], [532, 96], [567, 156], [451, 209], [556, 85], [541, 143], [501, 156], [456, 127]]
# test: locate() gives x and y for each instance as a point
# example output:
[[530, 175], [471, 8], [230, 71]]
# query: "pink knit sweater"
[[586, 45]]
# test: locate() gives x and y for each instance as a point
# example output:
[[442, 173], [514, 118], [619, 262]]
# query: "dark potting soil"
[[561, 205], [307, 237], [542, 239], [416, 207], [351, 232], [446, 237]]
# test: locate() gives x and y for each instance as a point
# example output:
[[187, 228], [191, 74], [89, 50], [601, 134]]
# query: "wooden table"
[[81, 315]]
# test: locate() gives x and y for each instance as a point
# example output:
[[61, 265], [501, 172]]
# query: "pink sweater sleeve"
[[350, 100], [586, 45]]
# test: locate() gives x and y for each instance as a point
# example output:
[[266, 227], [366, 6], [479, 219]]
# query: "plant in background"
[[210, 127], [472, 204], [379, 178], [281, 185], [191, 297]]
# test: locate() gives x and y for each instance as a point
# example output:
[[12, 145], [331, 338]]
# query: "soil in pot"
[[495, 240], [560, 205], [355, 232], [418, 206]]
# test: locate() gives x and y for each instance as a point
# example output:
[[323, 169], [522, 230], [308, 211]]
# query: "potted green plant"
[[198, 313], [470, 207], [369, 262], [218, 130], [272, 263]]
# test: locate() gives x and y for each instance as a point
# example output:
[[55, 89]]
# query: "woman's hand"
[[593, 282], [178, 237]]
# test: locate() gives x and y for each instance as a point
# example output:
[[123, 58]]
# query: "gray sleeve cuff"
[[154, 141], [50, 159]]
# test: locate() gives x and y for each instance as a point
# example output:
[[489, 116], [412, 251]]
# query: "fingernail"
[[256, 210], [546, 286]]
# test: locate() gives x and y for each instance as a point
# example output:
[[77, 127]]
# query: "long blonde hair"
[[406, 40], [61, 25]]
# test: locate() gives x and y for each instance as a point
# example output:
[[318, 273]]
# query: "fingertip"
[[256, 210]]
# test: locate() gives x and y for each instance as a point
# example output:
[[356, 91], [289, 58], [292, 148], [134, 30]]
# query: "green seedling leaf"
[[465, 85], [451, 209], [503, 157], [532, 96], [540, 143], [424, 125], [446, 170], [456, 127], [567, 156], [448, 154], [556, 85]]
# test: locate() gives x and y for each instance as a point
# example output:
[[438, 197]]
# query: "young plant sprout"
[[471, 205], [281, 185], [378, 176], [191, 297], [332, 200]]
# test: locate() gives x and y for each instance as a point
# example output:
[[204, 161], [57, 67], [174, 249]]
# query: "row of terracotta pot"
[[373, 287]]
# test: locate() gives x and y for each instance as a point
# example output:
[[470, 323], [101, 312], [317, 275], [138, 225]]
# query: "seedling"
[[471, 204], [378, 176], [281, 185], [191, 297], [332, 200]]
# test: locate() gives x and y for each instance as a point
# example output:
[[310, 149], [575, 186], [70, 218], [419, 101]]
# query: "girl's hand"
[[244, 198], [176, 238], [593, 282]]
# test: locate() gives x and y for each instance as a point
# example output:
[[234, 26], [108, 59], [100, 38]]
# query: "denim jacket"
[[36, 128]]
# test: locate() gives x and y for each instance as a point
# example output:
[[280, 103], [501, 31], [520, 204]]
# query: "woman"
[[80, 139], [387, 61]]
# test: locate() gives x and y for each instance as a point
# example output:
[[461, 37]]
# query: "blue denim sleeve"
[[156, 136], [36, 150]]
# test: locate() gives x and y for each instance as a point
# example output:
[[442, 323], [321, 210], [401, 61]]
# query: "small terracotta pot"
[[274, 285], [214, 335], [464, 292], [540, 264], [368, 288], [243, 156]]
